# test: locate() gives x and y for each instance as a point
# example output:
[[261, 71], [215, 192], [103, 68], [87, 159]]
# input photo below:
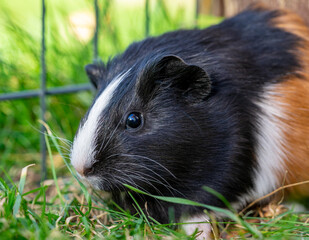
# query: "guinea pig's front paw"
[[200, 223]]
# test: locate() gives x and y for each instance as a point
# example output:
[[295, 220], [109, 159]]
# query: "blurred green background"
[[70, 27]]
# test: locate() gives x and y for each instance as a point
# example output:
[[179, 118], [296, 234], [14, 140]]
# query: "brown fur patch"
[[293, 94]]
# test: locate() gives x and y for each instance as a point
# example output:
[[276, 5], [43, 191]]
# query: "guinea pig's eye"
[[134, 120]]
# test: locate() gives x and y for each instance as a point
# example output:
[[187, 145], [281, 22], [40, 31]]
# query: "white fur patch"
[[270, 148], [201, 223], [83, 145]]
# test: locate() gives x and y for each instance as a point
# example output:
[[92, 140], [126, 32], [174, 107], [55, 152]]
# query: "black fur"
[[196, 90]]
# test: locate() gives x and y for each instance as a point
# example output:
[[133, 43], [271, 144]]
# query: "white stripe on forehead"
[[83, 146]]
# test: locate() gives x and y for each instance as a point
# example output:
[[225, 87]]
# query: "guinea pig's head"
[[143, 126]]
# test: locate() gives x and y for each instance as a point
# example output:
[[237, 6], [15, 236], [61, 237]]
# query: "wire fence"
[[43, 92]]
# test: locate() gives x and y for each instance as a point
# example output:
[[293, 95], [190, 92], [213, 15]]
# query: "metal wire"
[[147, 18], [96, 33], [52, 91], [197, 11], [43, 94]]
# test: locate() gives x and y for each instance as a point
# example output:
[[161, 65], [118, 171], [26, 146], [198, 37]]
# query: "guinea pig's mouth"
[[97, 183], [92, 181]]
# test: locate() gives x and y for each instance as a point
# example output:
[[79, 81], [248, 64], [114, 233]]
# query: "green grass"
[[62, 207]]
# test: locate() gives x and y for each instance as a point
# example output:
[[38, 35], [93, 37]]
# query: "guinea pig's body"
[[225, 107]]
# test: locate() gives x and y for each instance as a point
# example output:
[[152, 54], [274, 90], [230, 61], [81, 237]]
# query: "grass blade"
[[21, 186], [56, 144], [53, 169], [257, 234], [220, 196]]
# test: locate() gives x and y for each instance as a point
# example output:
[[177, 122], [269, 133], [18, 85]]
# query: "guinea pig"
[[225, 107]]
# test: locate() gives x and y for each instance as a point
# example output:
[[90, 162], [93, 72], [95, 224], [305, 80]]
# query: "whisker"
[[143, 179], [123, 180], [65, 148], [112, 134], [131, 182], [149, 159], [122, 173], [110, 138], [147, 168], [166, 184]]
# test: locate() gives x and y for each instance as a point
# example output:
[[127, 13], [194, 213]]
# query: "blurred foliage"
[[121, 22]]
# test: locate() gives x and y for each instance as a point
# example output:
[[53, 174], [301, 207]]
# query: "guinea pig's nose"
[[88, 170]]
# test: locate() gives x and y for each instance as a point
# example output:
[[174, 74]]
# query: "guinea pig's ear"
[[171, 72], [95, 74]]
